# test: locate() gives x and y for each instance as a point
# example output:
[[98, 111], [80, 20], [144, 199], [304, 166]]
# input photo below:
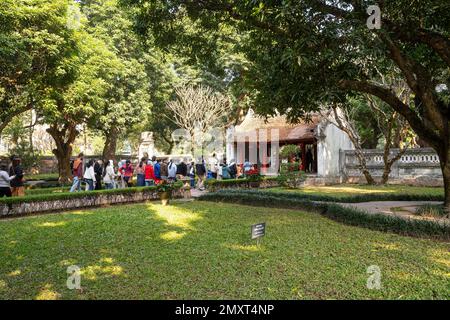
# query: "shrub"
[[431, 210], [290, 175], [289, 151], [345, 198]]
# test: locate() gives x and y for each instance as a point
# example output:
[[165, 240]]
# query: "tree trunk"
[[64, 139], [363, 166], [109, 151], [444, 158], [63, 157]]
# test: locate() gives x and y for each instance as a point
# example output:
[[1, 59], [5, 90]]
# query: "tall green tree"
[[66, 109], [128, 99], [35, 42], [306, 54]]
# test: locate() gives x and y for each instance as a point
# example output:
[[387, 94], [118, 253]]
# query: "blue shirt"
[[157, 170]]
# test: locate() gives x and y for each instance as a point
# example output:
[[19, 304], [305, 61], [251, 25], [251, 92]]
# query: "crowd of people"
[[12, 179], [152, 171], [90, 174]]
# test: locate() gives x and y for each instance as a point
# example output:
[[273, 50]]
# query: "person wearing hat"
[[17, 185]]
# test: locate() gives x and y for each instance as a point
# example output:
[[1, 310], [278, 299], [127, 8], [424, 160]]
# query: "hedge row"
[[235, 182], [350, 216], [75, 195], [344, 199]]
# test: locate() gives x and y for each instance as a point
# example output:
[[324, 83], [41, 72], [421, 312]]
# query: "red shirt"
[[126, 171], [149, 172]]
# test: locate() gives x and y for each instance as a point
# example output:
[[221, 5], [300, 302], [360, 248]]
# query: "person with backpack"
[[5, 182], [17, 184], [164, 170], [77, 173], [172, 171]]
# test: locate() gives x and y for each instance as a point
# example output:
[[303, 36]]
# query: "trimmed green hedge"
[[350, 216], [344, 199], [76, 195], [235, 182]]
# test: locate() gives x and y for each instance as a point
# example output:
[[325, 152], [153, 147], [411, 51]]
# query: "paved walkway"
[[404, 209]]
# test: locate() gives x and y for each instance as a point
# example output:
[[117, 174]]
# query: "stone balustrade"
[[417, 166]]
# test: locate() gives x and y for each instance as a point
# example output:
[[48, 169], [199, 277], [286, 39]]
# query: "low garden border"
[[18, 206], [243, 183], [350, 216], [344, 199]]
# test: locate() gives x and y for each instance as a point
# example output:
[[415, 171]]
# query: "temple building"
[[258, 140]]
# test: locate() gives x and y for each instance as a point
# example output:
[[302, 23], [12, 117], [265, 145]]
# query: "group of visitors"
[[152, 171], [147, 172], [12, 179]]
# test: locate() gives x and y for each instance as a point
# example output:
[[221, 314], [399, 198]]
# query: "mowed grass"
[[202, 250], [355, 189]]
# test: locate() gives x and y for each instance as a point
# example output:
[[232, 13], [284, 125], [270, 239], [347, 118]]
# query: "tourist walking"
[[140, 173], [127, 173], [172, 171], [5, 182], [201, 172], [191, 174], [17, 185], [182, 169], [110, 176], [98, 169], [77, 173], [149, 174], [89, 176], [157, 171], [233, 169], [213, 166], [164, 170]]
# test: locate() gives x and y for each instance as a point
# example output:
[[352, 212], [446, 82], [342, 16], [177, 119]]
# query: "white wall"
[[332, 140]]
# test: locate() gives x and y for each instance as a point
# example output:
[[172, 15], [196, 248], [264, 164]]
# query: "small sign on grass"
[[258, 231]]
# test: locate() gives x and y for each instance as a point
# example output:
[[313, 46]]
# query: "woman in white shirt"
[[89, 176], [110, 176], [5, 186]]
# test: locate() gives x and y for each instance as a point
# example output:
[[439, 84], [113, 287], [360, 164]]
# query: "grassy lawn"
[[202, 250], [354, 189]]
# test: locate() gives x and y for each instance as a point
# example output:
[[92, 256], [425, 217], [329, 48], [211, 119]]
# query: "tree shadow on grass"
[[187, 250]]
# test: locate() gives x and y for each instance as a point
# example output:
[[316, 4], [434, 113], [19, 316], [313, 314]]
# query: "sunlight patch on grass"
[[94, 272], [173, 235], [47, 293], [51, 224], [175, 217], [250, 248], [14, 273], [386, 246]]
